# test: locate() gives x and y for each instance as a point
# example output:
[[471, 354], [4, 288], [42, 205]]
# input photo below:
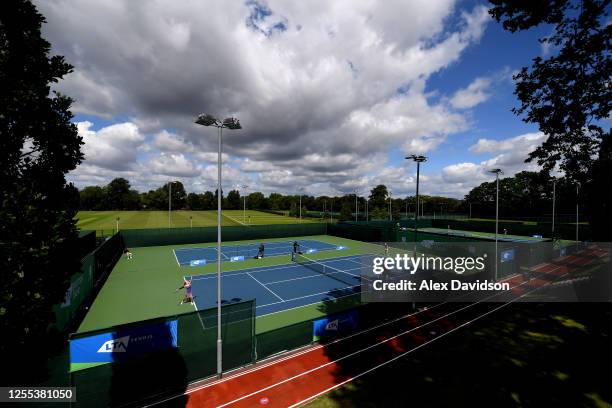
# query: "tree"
[[195, 202], [39, 145], [256, 201], [345, 212], [275, 201], [119, 196], [378, 196], [569, 94], [209, 201], [233, 200], [92, 198]]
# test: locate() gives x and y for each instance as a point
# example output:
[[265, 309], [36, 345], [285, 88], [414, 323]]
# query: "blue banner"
[[237, 258], [197, 262], [311, 251], [334, 325], [340, 247], [507, 255], [125, 343]]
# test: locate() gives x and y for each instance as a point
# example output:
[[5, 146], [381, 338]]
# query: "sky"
[[331, 95]]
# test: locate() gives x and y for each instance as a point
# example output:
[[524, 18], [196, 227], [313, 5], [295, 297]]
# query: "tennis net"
[[345, 277]]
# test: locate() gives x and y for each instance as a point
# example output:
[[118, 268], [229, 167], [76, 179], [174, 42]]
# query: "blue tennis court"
[[283, 287], [201, 256]]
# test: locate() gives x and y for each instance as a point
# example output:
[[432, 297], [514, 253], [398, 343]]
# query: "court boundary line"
[[308, 304], [309, 276], [270, 290], [176, 258], [264, 268]]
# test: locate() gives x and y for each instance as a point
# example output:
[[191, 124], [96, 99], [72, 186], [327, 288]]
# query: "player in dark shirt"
[[260, 251]]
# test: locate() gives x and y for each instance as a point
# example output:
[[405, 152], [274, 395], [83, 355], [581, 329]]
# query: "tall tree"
[[233, 200], [569, 94], [92, 198], [256, 201], [378, 197], [38, 146]]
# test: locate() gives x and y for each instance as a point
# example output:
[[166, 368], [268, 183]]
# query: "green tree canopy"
[[39, 144]]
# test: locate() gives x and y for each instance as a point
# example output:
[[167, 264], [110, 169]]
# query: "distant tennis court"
[[189, 256], [483, 235], [285, 287]]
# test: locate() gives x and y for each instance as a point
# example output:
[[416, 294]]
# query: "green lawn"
[[144, 287], [107, 220]]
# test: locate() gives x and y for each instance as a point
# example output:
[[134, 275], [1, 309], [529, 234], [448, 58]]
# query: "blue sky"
[[315, 87]]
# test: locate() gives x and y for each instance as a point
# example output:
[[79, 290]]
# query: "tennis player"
[[260, 252], [296, 250], [188, 294]]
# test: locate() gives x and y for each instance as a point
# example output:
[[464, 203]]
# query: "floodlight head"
[[231, 123], [206, 119], [496, 171], [417, 158]]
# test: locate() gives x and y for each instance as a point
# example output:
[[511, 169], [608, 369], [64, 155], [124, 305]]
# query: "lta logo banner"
[[124, 343], [335, 325]]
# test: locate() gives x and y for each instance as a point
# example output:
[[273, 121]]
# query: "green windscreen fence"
[[95, 268], [362, 232], [152, 374], [174, 236]]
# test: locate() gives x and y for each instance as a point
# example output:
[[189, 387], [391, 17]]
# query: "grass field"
[[106, 220], [144, 287]]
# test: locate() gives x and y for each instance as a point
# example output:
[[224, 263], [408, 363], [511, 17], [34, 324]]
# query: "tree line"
[[527, 194]]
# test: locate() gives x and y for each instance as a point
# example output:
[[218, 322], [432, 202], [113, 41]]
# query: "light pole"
[[367, 209], [117, 220], [244, 204], [418, 159], [553, 207], [190, 221], [577, 207], [390, 205], [170, 203], [356, 205], [497, 172], [301, 190], [232, 124]]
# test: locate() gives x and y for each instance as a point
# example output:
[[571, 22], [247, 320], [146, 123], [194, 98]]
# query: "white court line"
[[263, 268], [307, 304], [179, 264], [235, 220], [269, 290], [309, 276], [222, 254], [307, 296]]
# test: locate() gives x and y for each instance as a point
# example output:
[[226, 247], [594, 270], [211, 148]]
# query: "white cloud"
[[523, 144], [112, 147], [476, 93], [168, 142]]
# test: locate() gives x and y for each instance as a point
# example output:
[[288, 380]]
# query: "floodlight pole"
[[233, 124], [356, 208], [244, 204], [577, 207], [117, 224], [169, 204], [418, 159], [390, 205], [190, 221], [553, 207], [497, 173]]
